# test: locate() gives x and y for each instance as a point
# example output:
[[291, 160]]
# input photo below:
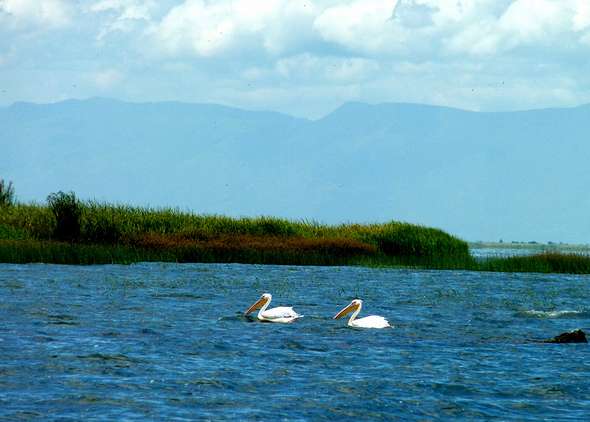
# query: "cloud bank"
[[302, 56]]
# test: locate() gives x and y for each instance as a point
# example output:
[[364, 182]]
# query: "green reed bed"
[[27, 251], [540, 263], [75, 232], [52, 233]]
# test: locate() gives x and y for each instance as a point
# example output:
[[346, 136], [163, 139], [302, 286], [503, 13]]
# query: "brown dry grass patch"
[[340, 247]]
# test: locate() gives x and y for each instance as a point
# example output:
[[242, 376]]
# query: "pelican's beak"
[[256, 305], [351, 307]]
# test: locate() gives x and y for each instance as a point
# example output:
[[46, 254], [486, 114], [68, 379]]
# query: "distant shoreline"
[[531, 245]]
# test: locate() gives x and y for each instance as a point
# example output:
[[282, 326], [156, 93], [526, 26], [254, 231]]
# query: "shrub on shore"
[[67, 211], [7, 197]]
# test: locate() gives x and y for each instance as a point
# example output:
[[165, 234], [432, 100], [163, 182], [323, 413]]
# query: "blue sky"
[[300, 57]]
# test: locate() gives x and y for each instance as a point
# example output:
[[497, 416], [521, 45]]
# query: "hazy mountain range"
[[483, 176]]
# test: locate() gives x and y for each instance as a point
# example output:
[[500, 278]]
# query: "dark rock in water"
[[576, 336]]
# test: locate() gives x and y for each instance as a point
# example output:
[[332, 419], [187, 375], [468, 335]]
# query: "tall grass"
[[7, 197], [541, 263], [104, 233], [55, 252], [169, 234], [67, 211], [32, 220]]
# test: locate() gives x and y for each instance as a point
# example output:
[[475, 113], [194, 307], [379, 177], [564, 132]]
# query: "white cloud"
[[127, 9], [527, 21], [47, 14], [454, 13], [287, 54], [581, 19], [359, 25], [106, 79], [524, 23], [406, 28], [123, 15], [326, 69], [208, 29]]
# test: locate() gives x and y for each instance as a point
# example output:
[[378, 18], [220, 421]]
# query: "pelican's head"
[[352, 306], [265, 298]]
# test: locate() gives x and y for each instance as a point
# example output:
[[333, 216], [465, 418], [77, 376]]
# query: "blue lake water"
[[169, 342]]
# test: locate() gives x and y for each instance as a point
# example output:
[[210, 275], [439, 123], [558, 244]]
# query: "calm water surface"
[[169, 342]]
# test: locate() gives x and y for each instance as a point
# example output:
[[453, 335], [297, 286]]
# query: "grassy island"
[[68, 231]]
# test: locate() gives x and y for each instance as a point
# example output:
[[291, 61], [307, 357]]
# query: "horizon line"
[[255, 110]]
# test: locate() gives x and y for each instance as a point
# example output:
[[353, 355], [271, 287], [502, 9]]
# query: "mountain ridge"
[[481, 175], [346, 104]]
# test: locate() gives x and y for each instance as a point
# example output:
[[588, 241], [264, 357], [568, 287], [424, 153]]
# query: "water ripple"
[[571, 314], [170, 342]]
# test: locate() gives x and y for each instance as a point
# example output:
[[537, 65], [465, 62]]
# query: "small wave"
[[101, 356], [177, 296], [62, 320], [237, 317], [115, 358], [567, 313]]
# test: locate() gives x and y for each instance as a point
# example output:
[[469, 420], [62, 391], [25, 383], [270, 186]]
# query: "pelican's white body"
[[282, 314], [371, 321]]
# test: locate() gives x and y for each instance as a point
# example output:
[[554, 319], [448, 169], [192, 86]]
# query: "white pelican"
[[280, 314], [372, 321]]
